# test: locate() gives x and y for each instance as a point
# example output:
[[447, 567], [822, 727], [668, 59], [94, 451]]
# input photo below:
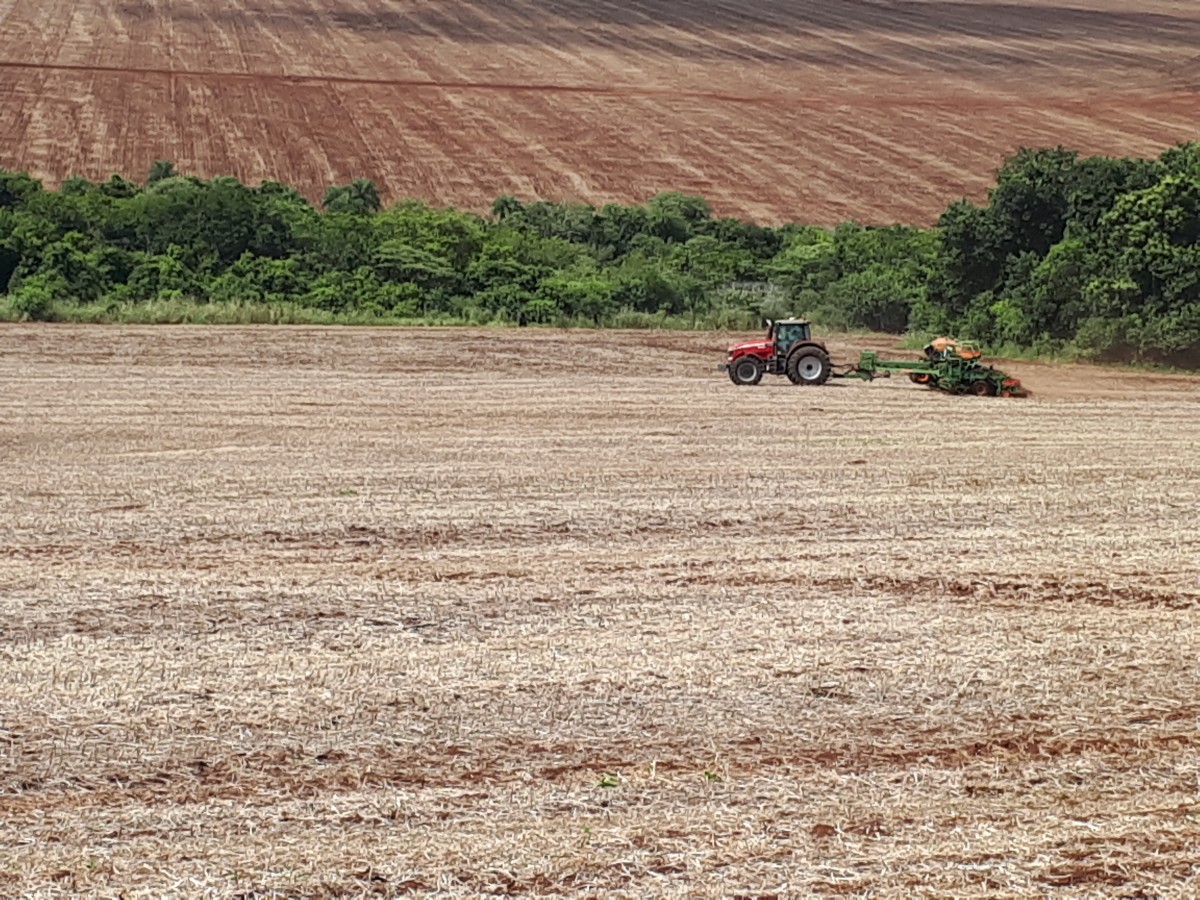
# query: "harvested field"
[[295, 611], [881, 110]]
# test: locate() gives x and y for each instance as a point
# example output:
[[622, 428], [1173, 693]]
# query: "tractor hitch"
[[850, 370]]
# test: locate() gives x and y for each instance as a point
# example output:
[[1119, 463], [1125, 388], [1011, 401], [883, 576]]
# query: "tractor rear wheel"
[[809, 366], [982, 388], [746, 371]]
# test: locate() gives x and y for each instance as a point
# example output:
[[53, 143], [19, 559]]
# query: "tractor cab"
[[787, 332]]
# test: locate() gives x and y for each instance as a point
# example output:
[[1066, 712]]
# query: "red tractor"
[[789, 349]]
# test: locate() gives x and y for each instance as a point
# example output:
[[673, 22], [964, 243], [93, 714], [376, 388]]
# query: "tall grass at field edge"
[[189, 312]]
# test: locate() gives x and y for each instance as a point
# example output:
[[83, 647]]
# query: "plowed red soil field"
[[882, 110], [297, 613]]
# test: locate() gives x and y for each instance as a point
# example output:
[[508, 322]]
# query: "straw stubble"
[[349, 612]]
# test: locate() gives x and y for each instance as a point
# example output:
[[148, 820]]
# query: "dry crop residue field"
[[882, 110], [311, 613]]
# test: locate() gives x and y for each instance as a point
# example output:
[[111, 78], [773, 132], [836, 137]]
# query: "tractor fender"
[[751, 354], [738, 357]]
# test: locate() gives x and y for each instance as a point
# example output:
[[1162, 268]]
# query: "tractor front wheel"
[[746, 371], [809, 366]]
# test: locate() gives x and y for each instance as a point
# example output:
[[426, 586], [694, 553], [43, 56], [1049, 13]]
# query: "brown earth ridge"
[[877, 110]]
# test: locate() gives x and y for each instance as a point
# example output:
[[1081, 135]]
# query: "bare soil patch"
[[284, 610], [878, 110]]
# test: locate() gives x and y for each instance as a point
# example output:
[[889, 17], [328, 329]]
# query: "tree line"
[[1093, 255]]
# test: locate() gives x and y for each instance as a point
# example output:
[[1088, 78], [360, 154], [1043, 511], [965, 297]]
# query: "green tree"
[[401, 263], [1053, 305], [614, 229], [10, 256], [714, 262], [284, 194], [75, 260], [446, 233], [164, 275], [37, 297], [16, 188], [359, 197], [1152, 237], [590, 297], [336, 241], [505, 301], [675, 217], [256, 279], [161, 170], [1032, 196], [506, 207], [1182, 159], [119, 188], [570, 222], [877, 298], [76, 186]]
